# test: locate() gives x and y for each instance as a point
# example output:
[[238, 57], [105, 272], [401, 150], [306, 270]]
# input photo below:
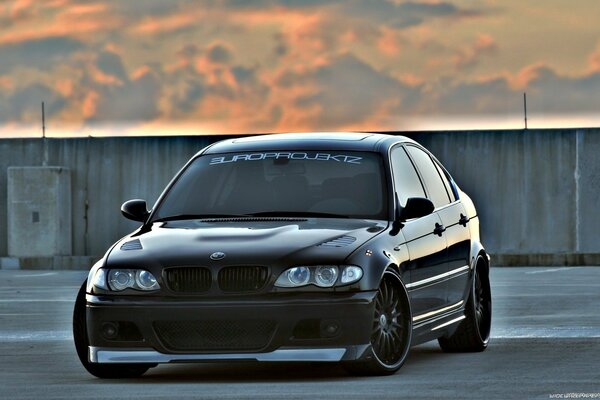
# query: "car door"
[[453, 226], [458, 239], [427, 250]]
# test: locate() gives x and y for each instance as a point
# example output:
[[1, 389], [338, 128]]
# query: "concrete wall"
[[536, 190], [39, 211], [104, 174]]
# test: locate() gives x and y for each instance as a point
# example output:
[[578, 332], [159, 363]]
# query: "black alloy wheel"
[[391, 330], [483, 305], [473, 333]]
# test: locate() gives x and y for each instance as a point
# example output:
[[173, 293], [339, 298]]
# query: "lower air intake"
[[216, 335]]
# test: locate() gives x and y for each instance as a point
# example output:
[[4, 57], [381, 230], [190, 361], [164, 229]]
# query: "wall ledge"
[[545, 259], [48, 263]]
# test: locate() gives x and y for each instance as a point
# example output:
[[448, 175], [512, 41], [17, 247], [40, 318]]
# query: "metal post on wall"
[[43, 122], [525, 108], [44, 144]]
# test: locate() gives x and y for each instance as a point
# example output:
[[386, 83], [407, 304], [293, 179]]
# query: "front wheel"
[[82, 343], [391, 330], [473, 333]]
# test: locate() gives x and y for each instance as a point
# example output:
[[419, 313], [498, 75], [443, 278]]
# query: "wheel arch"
[[396, 269], [477, 250]]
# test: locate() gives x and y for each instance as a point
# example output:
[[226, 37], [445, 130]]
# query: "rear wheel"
[[473, 334], [82, 343], [391, 330]]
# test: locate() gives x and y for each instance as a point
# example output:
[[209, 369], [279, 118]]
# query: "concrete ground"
[[546, 344]]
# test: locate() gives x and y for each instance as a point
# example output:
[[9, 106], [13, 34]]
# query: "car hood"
[[243, 242]]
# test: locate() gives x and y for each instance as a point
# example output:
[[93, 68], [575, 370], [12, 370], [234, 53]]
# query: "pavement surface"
[[545, 344]]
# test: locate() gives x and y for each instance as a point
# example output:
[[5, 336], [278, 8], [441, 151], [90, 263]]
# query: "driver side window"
[[406, 181]]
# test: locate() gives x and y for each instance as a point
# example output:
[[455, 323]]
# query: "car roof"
[[350, 141]]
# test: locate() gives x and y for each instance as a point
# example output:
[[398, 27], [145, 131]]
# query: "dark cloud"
[[262, 4], [185, 102], [551, 93], [402, 15], [487, 97], [244, 75], [547, 92], [135, 100], [219, 54], [110, 63], [350, 91], [24, 105], [188, 51], [40, 54], [151, 8]]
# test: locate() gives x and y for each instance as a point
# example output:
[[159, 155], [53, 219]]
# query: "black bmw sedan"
[[347, 247]]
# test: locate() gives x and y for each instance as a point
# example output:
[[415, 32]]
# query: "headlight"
[[99, 279], [145, 280], [319, 275], [351, 274], [121, 279], [294, 277], [325, 276]]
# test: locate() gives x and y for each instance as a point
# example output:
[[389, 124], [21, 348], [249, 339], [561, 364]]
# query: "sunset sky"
[[235, 66]]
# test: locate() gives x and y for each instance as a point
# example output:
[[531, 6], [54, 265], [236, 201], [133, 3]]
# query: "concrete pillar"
[[587, 177], [39, 211]]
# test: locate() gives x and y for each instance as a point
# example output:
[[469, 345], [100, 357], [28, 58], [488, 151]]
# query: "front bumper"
[[134, 356], [351, 312]]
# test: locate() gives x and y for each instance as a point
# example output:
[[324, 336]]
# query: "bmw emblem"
[[217, 255]]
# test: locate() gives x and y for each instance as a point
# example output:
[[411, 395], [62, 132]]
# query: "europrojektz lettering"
[[286, 155]]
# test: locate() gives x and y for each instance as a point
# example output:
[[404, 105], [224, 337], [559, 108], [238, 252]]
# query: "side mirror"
[[416, 207], [135, 210]]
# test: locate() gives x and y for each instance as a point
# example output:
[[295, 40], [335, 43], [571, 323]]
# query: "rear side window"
[[436, 189], [446, 181], [406, 181]]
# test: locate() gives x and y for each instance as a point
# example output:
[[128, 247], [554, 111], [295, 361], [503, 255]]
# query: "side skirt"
[[438, 325]]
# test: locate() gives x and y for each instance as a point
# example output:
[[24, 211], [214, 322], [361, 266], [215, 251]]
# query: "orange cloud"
[[468, 56], [289, 19], [70, 21], [64, 87], [90, 104], [411, 79], [20, 9], [154, 25], [103, 78], [79, 10], [484, 42], [140, 72], [168, 23], [525, 75], [388, 43], [6, 83], [594, 60]]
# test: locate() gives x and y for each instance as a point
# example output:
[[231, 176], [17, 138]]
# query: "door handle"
[[463, 220], [439, 229]]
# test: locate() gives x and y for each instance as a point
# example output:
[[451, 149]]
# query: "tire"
[[473, 333], [108, 371], [391, 330]]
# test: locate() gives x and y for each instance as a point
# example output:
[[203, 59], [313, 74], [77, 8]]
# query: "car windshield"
[[298, 183]]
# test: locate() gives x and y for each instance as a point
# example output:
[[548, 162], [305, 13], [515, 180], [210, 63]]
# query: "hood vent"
[[341, 241], [132, 245]]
